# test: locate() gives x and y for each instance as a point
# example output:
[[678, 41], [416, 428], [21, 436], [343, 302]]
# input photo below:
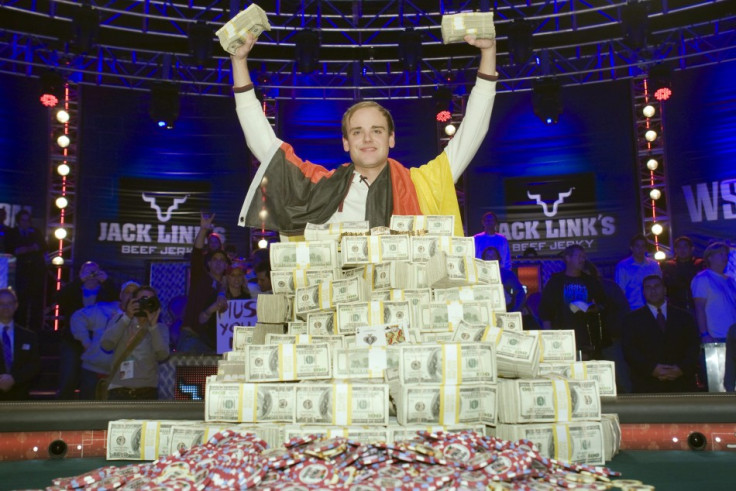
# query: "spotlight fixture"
[[63, 170], [520, 40], [63, 141], [648, 111], [164, 106], [657, 229], [200, 42], [635, 23], [660, 81], [655, 194], [443, 104], [450, 129], [61, 202], [652, 164], [546, 100], [262, 244], [62, 116], [650, 135], [306, 50], [60, 233], [660, 256], [52, 88], [57, 261], [410, 49]]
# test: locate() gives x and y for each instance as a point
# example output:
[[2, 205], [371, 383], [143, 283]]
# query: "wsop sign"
[[551, 213], [156, 218]]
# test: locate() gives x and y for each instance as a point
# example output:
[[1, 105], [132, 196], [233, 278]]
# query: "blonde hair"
[[362, 105]]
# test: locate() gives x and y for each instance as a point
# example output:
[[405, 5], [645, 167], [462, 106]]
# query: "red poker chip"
[[314, 472], [298, 441]]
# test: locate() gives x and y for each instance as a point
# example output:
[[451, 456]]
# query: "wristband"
[[243, 88], [490, 78]]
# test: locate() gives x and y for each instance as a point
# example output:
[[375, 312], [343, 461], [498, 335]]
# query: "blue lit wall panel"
[[591, 150], [700, 143]]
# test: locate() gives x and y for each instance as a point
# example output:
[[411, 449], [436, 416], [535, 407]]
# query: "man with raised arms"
[[372, 186]]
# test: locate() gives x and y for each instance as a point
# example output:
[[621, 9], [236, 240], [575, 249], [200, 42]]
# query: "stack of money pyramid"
[[374, 334]]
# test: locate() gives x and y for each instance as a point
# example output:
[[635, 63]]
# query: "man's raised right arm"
[[259, 134]]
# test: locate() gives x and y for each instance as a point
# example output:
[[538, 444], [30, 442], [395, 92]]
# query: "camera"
[[147, 305]]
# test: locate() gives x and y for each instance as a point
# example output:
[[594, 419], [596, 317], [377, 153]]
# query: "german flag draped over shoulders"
[[296, 192]]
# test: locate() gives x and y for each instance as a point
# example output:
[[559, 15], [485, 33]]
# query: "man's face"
[[8, 306], [264, 281], [126, 294], [683, 251], [654, 291], [576, 260], [217, 264], [639, 250], [213, 243], [24, 221], [368, 139], [89, 271], [489, 222]]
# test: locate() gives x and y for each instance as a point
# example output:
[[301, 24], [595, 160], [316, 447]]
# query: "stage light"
[[443, 116], [263, 214], [520, 40], [62, 116], [546, 100], [660, 256], [450, 129], [410, 49], [655, 194], [650, 135], [306, 50], [85, 27], [52, 88], [63, 141], [63, 170], [635, 23], [660, 81], [57, 261], [164, 106], [648, 111], [657, 229], [61, 202], [262, 244], [200, 42], [652, 164], [60, 233]]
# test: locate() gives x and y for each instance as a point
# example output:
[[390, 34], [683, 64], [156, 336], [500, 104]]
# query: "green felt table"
[[666, 470]]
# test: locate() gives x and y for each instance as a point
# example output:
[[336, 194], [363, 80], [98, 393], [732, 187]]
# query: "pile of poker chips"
[[465, 460]]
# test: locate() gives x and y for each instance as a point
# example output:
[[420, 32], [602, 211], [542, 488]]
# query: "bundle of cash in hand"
[[251, 20], [478, 24]]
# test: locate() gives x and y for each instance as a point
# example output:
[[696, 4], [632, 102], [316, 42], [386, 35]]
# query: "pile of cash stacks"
[[375, 334]]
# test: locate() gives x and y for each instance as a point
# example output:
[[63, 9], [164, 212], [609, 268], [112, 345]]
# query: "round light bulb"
[[450, 129], [57, 261], [652, 164], [648, 111], [650, 135], [60, 233], [62, 116], [660, 255], [262, 244], [657, 229], [63, 141], [263, 214], [61, 202], [63, 170], [655, 194]]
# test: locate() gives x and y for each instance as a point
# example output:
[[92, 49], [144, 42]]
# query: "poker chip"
[[625, 483], [639, 487], [107, 483]]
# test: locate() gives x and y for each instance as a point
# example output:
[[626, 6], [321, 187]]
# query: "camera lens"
[[57, 449], [696, 441]]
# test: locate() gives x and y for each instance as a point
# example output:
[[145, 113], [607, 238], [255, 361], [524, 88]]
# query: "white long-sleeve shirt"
[[461, 149]]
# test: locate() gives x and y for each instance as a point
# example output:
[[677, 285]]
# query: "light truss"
[[140, 41]]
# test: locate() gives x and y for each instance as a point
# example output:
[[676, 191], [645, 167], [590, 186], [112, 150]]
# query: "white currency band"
[[342, 404]]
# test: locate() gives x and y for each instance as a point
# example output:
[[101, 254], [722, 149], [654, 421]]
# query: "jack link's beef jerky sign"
[[156, 218]]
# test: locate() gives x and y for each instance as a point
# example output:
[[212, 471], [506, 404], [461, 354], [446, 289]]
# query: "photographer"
[[139, 343]]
